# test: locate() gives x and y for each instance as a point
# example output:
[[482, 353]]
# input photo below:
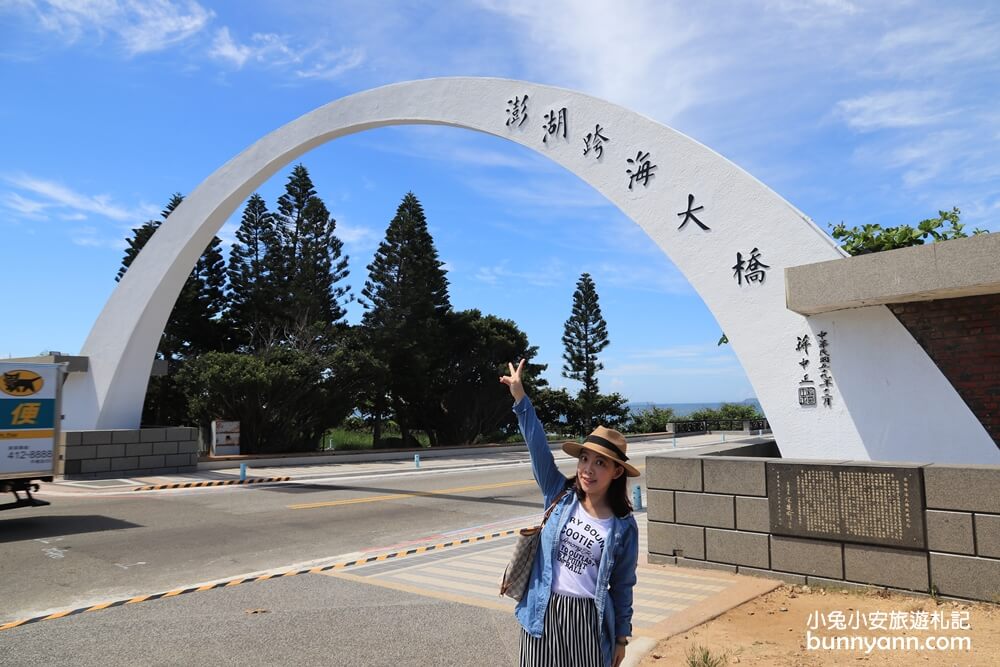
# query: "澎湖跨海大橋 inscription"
[[870, 504]]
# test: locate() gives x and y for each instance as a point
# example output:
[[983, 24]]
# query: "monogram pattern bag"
[[514, 582]]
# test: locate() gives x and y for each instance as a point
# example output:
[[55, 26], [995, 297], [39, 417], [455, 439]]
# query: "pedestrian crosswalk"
[[470, 575]]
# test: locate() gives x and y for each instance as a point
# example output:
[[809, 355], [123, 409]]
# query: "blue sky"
[[853, 111]]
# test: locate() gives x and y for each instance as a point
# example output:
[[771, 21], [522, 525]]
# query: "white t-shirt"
[[581, 544]]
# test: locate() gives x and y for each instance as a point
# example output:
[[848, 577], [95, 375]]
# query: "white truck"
[[30, 402]]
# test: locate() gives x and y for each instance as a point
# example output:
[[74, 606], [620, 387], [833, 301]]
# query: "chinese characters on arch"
[[807, 387]]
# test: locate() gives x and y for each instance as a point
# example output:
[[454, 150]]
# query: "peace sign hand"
[[513, 381]]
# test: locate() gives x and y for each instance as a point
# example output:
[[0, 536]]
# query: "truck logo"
[[21, 383]]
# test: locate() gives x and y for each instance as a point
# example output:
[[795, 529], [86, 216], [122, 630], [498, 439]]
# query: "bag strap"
[[553, 505]]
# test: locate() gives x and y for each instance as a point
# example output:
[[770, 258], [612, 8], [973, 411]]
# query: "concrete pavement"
[[449, 578]]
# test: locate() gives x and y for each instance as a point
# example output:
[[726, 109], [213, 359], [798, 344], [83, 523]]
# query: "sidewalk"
[[668, 599]]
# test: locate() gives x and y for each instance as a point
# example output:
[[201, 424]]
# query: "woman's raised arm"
[[543, 465]]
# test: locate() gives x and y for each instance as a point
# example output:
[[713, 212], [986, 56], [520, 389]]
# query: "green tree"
[[407, 302], [651, 420], [310, 267], [585, 335], [252, 288], [281, 397], [470, 409], [874, 238]]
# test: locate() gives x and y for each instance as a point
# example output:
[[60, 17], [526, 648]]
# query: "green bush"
[[651, 420], [284, 398], [874, 238]]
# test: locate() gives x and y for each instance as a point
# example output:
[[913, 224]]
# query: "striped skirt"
[[569, 637]]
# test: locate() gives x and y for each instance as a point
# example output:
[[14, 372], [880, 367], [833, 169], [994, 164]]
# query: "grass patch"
[[701, 656]]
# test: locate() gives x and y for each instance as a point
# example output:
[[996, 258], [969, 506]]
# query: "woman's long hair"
[[617, 494]]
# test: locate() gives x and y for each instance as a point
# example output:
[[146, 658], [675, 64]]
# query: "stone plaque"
[[870, 504]]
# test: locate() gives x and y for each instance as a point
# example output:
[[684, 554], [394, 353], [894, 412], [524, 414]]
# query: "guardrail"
[[706, 425]]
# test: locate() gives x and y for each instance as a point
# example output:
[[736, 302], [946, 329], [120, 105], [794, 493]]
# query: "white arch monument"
[[871, 382]]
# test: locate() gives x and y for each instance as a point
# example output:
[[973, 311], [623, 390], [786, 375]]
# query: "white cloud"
[[356, 237], [893, 109], [142, 26], [28, 208], [273, 50], [225, 48], [553, 274], [68, 203]]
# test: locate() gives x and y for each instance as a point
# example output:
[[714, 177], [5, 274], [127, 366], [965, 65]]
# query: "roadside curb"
[[218, 482]]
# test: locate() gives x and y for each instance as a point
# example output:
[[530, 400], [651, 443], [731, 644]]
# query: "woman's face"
[[595, 472]]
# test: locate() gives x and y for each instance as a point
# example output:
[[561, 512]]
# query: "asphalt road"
[[91, 548]]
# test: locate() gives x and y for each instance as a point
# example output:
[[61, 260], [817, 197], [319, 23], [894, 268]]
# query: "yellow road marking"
[[414, 494]]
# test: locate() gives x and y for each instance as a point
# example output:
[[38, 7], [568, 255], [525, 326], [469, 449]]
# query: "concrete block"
[[153, 435], [95, 437], [950, 531], [151, 461], [731, 546], [661, 505], [987, 535], [706, 565], [72, 467], [704, 509], [809, 557], [177, 460], [125, 463], [187, 447], [771, 574], [81, 452], [966, 576], [673, 473], [73, 437], [164, 447], [95, 465], [660, 559], [734, 474], [126, 436], [898, 568], [672, 539], [966, 488], [753, 514], [139, 449], [181, 433], [110, 451]]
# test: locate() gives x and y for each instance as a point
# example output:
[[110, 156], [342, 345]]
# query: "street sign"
[[29, 418]]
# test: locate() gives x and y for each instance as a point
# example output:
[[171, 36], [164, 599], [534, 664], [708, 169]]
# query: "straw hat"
[[607, 442]]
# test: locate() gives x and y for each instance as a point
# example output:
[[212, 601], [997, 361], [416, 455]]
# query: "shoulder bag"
[[515, 576]]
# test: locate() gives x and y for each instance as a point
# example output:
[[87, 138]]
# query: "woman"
[[577, 610]]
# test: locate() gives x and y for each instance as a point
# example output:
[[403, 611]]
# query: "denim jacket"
[[616, 571]]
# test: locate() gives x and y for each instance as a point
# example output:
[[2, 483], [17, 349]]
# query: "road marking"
[[235, 581], [217, 482], [414, 494]]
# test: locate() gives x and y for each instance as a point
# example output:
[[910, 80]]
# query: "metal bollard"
[[675, 441], [243, 472], [637, 497], [723, 437], [416, 460]]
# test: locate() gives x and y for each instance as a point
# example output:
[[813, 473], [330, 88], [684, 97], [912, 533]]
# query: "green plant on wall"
[[874, 238]]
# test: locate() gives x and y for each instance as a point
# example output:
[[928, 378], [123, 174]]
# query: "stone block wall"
[[128, 453], [962, 336], [713, 512]]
